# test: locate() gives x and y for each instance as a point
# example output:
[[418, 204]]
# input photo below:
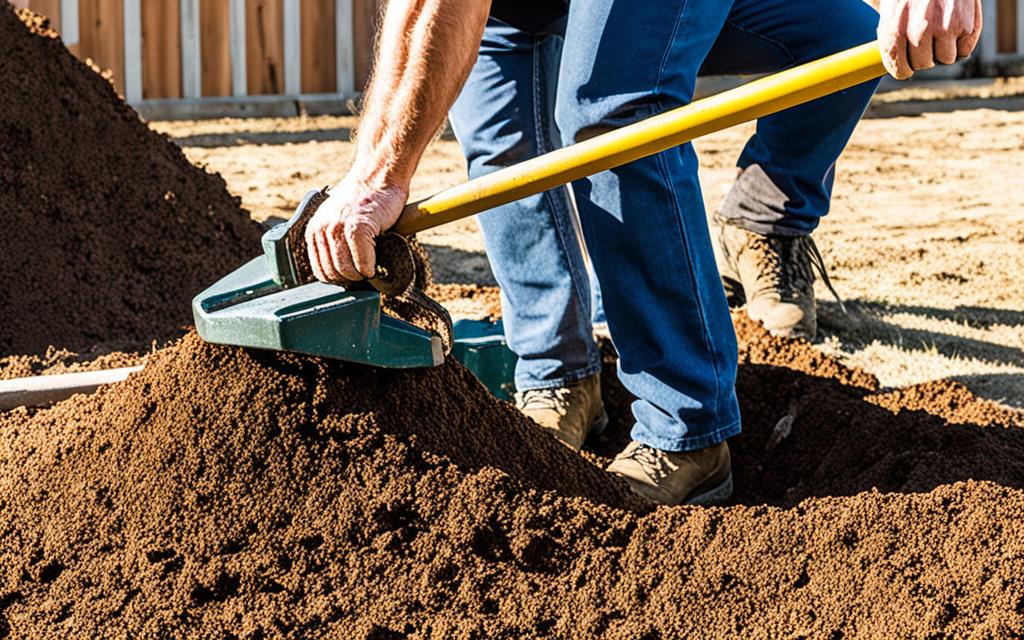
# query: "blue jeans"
[[644, 223]]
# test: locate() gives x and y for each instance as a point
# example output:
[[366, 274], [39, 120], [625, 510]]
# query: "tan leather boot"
[[666, 477], [569, 413], [773, 276]]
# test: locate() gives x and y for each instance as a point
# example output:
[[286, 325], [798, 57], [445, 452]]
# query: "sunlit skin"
[[425, 52], [918, 34]]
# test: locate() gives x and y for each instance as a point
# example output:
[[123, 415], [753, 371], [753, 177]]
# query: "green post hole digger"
[[274, 302]]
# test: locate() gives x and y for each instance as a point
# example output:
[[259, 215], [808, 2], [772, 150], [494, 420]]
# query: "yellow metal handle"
[[754, 100]]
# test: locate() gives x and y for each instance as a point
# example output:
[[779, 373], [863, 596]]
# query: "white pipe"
[[43, 390]]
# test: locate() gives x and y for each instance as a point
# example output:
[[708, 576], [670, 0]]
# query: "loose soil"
[[108, 229], [229, 493], [240, 494]]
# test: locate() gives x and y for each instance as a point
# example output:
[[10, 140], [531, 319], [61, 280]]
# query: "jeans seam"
[[778, 45], [668, 50], [691, 273], [540, 137]]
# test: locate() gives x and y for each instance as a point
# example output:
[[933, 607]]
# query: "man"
[[531, 89]]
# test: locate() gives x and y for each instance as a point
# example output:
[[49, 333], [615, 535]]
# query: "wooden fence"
[[184, 55], [195, 50], [1003, 37]]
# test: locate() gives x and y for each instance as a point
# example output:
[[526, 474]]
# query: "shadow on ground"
[[915, 108], [241, 138], [866, 325]]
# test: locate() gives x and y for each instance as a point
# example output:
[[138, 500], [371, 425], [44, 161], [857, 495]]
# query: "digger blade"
[[248, 308]]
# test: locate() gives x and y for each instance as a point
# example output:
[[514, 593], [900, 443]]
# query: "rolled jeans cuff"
[[736, 219], [648, 437], [526, 383], [758, 204]]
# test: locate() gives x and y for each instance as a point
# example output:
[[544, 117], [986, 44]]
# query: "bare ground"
[[925, 241]]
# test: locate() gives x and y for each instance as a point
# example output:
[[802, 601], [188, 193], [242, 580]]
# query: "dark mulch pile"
[[108, 230]]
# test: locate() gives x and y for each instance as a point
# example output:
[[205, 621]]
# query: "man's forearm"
[[425, 52]]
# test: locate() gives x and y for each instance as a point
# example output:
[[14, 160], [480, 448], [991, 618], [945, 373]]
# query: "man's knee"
[[580, 120], [852, 23]]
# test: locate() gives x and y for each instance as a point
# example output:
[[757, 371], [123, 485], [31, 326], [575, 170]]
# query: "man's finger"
[[314, 256], [326, 263], [342, 255], [360, 238], [894, 57], [967, 43], [945, 50], [921, 55]]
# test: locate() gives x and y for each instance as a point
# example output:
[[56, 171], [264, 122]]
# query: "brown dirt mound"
[[223, 489], [239, 494], [108, 230]]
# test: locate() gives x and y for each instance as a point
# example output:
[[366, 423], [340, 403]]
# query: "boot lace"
[[788, 265], [540, 399], [653, 461]]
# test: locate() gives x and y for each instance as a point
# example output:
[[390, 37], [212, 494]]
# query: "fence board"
[[48, 8], [101, 28], [264, 41], [161, 49], [319, 63], [215, 44], [1006, 26], [364, 30]]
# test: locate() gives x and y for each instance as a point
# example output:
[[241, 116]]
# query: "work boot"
[[667, 477], [773, 276], [569, 413]]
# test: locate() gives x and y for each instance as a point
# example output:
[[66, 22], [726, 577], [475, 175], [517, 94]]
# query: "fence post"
[[292, 47], [132, 51], [344, 48], [1020, 27], [191, 60], [69, 22], [236, 34]]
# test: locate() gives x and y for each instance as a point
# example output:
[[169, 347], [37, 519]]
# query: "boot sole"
[[716, 495]]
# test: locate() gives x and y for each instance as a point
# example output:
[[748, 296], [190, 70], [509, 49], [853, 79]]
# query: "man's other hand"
[[341, 235], [918, 34]]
